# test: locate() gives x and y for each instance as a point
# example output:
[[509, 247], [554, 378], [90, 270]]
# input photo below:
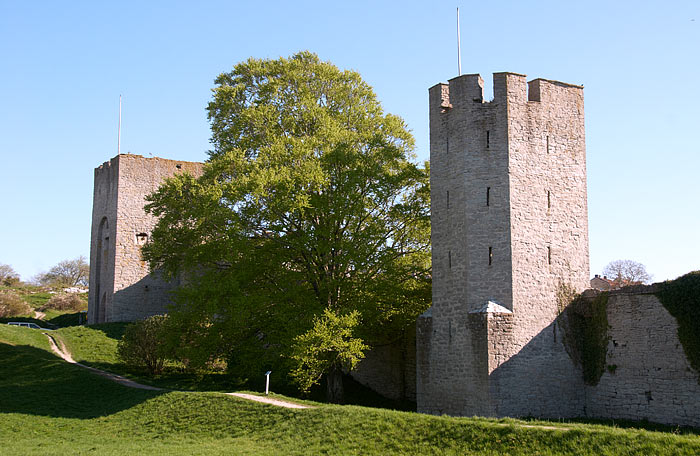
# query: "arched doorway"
[[101, 268]]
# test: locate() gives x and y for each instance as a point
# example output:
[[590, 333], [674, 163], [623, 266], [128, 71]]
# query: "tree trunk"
[[334, 386]]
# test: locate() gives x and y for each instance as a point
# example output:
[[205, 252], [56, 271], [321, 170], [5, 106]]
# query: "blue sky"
[[64, 65]]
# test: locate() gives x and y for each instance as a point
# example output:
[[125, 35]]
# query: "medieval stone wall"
[[104, 214], [121, 186], [549, 229], [390, 369], [647, 374], [471, 243], [509, 224]]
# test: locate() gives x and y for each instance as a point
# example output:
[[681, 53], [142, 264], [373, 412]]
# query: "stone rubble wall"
[[549, 239], [509, 224], [390, 369], [124, 182], [468, 155], [103, 233], [647, 375]]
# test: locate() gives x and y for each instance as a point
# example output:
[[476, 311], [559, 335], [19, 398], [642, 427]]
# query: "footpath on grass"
[[60, 349]]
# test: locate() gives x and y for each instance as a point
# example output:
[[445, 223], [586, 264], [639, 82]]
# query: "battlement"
[[508, 87]]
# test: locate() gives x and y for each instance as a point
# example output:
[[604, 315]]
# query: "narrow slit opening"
[[488, 139], [490, 256], [549, 255], [488, 196], [449, 259], [448, 199]]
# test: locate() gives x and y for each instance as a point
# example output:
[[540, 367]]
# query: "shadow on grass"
[[111, 330], [67, 319], [33, 381]]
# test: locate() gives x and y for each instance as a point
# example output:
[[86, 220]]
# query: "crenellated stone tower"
[[509, 231], [121, 287]]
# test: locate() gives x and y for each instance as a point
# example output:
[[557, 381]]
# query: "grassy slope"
[[37, 297], [50, 407]]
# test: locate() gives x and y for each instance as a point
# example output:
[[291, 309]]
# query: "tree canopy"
[[68, 273], [310, 206], [627, 272], [8, 275]]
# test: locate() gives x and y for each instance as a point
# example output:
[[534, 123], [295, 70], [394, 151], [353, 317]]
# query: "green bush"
[[11, 305], [64, 302], [142, 346]]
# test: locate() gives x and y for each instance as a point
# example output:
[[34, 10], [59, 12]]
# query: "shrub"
[[142, 346], [64, 302], [11, 305], [11, 281]]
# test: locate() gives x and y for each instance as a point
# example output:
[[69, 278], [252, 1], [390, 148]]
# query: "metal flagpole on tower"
[[119, 129], [459, 48]]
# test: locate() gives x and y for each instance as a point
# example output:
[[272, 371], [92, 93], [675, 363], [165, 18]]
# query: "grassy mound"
[[50, 407]]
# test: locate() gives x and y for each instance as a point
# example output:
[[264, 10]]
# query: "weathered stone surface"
[[647, 374], [509, 228], [509, 224], [121, 287], [390, 369]]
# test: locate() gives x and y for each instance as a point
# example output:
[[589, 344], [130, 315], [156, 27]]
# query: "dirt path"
[[60, 349], [39, 315], [65, 354], [269, 400]]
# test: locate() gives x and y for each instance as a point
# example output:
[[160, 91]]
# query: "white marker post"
[[267, 382]]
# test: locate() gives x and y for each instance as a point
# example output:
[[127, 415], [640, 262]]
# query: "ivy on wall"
[[584, 324], [681, 297]]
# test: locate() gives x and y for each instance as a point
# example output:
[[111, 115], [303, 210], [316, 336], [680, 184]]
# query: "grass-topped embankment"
[[96, 346], [50, 407]]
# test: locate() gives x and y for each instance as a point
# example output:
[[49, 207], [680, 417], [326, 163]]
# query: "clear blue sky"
[[64, 64]]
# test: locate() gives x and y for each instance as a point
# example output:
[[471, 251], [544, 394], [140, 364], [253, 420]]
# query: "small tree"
[[141, 345], [69, 301], [11, 305], [328, 348], [69, 273], [627, 272], [8, 276]]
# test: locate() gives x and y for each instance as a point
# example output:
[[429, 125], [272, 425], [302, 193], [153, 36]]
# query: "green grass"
[[50, 407], [36, 300]]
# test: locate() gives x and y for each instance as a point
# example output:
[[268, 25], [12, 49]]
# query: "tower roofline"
[[565, 84]]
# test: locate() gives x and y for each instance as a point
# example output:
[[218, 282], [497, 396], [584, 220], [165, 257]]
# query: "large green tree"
[[309, 204]]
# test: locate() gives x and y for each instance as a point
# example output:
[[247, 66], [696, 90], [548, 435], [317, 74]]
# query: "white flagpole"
[[119, 129], [459, 48]]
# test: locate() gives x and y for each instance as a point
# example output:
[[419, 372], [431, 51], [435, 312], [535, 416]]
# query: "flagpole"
[[459, 48], [119, 129]]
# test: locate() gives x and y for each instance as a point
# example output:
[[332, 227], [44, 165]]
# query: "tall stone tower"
[[121, 287], [509, 230]]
